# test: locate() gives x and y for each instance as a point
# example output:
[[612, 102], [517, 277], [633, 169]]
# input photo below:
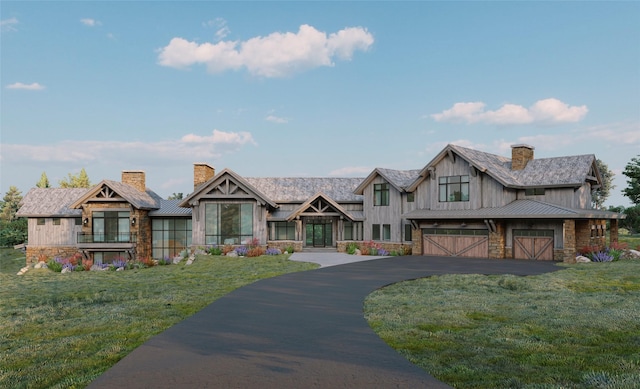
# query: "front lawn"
[[576, 328], [64, 330]]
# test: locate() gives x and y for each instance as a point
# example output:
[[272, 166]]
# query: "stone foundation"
[[405, 248], [38, 254], [283, 244]]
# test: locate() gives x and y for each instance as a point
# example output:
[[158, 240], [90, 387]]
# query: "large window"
[[228, 223], [381, 232], [284, 230], [407, 232], [453, 188], [170, 237], [352, 231], [381, 194], [111, 226]]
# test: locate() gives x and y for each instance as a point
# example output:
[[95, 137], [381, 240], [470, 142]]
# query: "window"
[[170, 237], [534, 191], [106, 257], [228, 223], [410, 197], [40, 221], [352, 231], [375, 232], [381, 194], [111, 226], [386, 232], [56, 221], [453, 188], [407, 232], [77, 221], [284, 230]]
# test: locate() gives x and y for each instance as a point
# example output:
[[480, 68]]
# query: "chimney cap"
[[522, 145]]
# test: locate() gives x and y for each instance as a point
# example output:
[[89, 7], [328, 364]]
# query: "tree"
[[44, 181], [10, 204], [632, 221], [80, 180], [176, 196], [632, 171], [600, 195]]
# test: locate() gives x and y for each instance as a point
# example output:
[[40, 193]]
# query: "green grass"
[[576, 328], [632, 240], [64, 330]]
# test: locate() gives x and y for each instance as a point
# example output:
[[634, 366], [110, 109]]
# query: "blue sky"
[[310, 88]]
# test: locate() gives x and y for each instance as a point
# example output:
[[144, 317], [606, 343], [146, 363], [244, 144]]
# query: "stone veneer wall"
[[497, 241], [520, 156], [202, 173], [568, 253], [135, 178], [284, 244], [416, 238], [406, 248], [583, 233], [36, 254]]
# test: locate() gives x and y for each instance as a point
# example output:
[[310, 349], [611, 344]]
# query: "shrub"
[[255, 252], [241, 251], [227, 249], [273, 251], [370, 248], [146, 262], [351, 248], [164, 261], [118, 263], [55, 264], [382, 252], [215, 250], [601, 256], [289, 249], [87, 263], [254, 243]]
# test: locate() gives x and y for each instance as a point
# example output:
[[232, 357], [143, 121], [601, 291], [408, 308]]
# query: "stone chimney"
[[135, 178], [202, 173], [520, 156]]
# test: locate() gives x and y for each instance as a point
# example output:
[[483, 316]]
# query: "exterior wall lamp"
[[85, 221], [133, 221]]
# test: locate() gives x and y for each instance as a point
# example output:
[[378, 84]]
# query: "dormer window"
[[534, 192], [453, 188]]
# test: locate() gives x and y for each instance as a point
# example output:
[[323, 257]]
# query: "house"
[[464, 202]]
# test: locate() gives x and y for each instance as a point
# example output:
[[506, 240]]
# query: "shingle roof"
[[140, 200], [518, 209], [283, 189], [549, 172], [50, 202]]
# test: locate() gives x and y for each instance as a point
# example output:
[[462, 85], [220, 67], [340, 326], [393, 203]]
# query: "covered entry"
[[319, 233], [455, 242], [533, 244]]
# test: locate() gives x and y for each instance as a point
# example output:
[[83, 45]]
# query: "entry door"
[[319, 234]]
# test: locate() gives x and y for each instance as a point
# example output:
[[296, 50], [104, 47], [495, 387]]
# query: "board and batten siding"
[[445, 168], [49, 234], [388, 214]]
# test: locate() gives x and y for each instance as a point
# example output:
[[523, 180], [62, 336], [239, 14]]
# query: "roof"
[[302, 189], [569, 171], [139, 200], [400, 179], [518, 209], [50, 202], [170, 208]]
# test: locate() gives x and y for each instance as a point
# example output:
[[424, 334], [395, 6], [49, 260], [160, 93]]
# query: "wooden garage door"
[[456, 242], [533, 244]]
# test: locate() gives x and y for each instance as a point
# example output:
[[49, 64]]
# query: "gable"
[[112, 191], [320, 205]]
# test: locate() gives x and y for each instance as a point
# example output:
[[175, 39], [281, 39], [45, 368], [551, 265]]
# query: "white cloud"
[[222, 30], [90, 22], [188, 148], [8, 24], [547, 111], [276, 119], [32, 86], [350, 171], [275, 55]]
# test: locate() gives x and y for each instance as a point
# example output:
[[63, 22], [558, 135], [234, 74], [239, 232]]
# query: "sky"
[[310, 89]]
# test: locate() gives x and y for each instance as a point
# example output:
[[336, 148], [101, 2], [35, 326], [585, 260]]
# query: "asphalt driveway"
[[300, 330]]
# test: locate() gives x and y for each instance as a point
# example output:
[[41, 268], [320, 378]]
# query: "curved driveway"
[[300, 330]]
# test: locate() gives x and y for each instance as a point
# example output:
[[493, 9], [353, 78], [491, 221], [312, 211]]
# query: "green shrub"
[[351, 248]]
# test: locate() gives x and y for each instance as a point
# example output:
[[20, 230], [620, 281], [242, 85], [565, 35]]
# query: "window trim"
[[449, 183], [381, 194]]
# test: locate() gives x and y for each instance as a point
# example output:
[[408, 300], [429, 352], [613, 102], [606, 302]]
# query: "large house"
[[464, 202]]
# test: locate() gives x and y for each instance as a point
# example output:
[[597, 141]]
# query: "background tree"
[[80, 180], [12, 230], [44, 181], [601, 194], [632, 171], [176, 196], [10, 204]]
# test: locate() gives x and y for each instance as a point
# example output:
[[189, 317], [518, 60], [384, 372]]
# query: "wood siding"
[[534, 248], [456, 245], [53, 235], [386, 214]]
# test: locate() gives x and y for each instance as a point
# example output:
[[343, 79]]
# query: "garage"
[[456, 242], [533, 244]]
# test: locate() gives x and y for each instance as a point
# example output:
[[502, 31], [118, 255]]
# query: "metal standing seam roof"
[[170, 208], [51, 202], [518, 209]]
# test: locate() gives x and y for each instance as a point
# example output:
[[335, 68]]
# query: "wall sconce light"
[[85, 221], [435, 224], [133, 221], [463, 225]]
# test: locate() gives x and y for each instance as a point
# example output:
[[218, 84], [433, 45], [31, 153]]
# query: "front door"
[[319, 234]]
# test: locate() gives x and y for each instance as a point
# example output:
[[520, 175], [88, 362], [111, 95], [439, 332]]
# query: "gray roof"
[[140, 200], [170, 208], [51, 202], [399, 178], [547, 172], [518, 209], [301, 189]]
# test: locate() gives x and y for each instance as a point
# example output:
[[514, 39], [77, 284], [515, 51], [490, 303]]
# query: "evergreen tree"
[[632, 171], [44, 181], [80, 180], [10, 204], [176, 196], [600, 195]]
